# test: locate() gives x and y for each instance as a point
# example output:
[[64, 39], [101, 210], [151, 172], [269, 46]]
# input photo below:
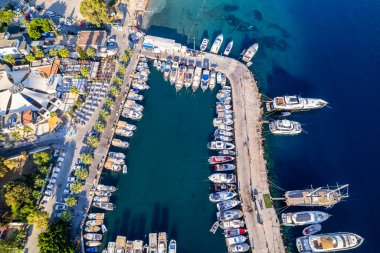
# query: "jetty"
[[259, 214]]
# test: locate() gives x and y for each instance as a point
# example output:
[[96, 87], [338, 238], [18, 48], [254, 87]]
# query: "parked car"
[[71, 179], [68, 192], [69, 21], [59, 28], [50, 13], [60, 207], [63, 199], [50, 186], [48, 192], [55, 175], [53, 181], [58, 215]]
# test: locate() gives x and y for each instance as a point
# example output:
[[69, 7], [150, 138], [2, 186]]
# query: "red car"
[[27, 16]]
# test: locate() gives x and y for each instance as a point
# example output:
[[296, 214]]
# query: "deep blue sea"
[[327, 49]]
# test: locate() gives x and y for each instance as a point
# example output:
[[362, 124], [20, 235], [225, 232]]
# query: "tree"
[[86, 158], [74, 90], [53, 52], [3, 168], [90, 52], [122, 70], [39, 53], [27, 129], [108, 102], [124, 58], [76, 187], [30, 57], [37, 26], [42, 158], [81, 174], [44, 170], [128, 52], [66, 215], [104, 115], [63, 53], [53, 114], [92, 141], [6, 16], [99, 127], [9, 59], [82, 53], [114, 91], [16, 135], [71, 201], [39, 183], [39, 219], [95, 11], [118, 81], [55, 239], [19, 196], [85, 72]]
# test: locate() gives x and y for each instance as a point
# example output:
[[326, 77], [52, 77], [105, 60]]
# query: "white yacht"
[[304, 218], [173, 246], [228, 215], [222, 196], [285, 127], [204, 44], [217, 44], [235, 240], [249, 53], [197, 78], [218, 145], [231, 224], [240, 247], [174, 72], [222, 178], [295, 103], [212, 79], [228, 48], [331, 242], [228, 204]]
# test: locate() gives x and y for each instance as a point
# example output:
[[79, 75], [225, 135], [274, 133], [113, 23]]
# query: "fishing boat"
[[141, 85], [226, 152], [228, 215], [167, 70], [220, 159], [219, 77], [162, 243], [285, 127], [104, 205], [241, 247], [153, 243], [218, 145], [222, 196], [158, 67], [294, 103], [197, 78], [222, 132], [116, 155], [228, 48], [224, 187], [94, 222], [92, 249], [173, 246], [228, 204], [234, 232], [189, 76], [222, 178], [223, 138], [235, 240], [331, 242], [224, 167], [231, 224], [134, 96], [92, 236], [217, 44], [224, 127], [119, 143], [131, 104], [180, 78], [93, 243], [204, 44], [101, 199], [173, 73], [102, 187], [304, 218], [212, 79], [123, 132], [223, 81], [103, 193], [312, 229], [95, 216], [92, 229], [205, 80], [131, 114], [249, 53]]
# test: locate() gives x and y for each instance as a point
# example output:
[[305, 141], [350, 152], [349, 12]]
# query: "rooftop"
[[91, 38]]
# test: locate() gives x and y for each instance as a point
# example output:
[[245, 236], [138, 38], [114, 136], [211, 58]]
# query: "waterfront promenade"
[[261, 221]]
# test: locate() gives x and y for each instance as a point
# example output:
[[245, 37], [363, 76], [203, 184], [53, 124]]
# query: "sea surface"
[[327, 49]]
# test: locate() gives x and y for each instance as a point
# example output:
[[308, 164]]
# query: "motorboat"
[[92, 229], [204, 44], [205, 80], [250, 52], [331, 242], [304, 218], [92, 249], [235, 240], [116, 155], [93, 243], [197, 78], [228, 48], [220, 159], [123, 132], [174, 73], [223, 138], [103, 194], [232, 224], [294, 103], [217, 44], [240, 247], [158, 67], [212, 79], [312, 229], [223, 81], [162, 243], [189, 76], [155, 63], [218, 145], [131, 114], [222, 196], [94, 222], [104, 229], [173, 246], [119, 143], [92, 236], [219, 77], [102, 187], [134, 96], [222, 121], [141, 85], [224, 167], [131, 104], [226, 152], [104, 205], [180, 78], [285, 127], [222, 132], [101, 199], [125, 169], [96, 216], [228, 204], [234, 232], [224, 127], [224, 187], [167, 70], [222, 107], [222, 178], [228, 215]]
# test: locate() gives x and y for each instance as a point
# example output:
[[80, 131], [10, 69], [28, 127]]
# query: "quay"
[[261, 220]]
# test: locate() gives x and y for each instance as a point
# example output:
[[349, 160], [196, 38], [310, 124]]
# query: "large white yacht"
[[217, 44], [285, 127], [295, 103], [304, 218], [332, 242]]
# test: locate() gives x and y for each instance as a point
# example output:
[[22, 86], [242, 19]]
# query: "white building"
[[8, 47], [161, 45]]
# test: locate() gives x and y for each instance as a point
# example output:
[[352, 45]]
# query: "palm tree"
[[104, 114], [74, 90], [16, 135], [128, 52], [99, 127], [108, 102], [27, 129], [92, 141]]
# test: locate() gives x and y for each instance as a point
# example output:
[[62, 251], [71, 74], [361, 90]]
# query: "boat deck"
[[120, 242]]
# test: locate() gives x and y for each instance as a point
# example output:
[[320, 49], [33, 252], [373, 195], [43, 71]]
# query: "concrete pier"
[[261, 220]]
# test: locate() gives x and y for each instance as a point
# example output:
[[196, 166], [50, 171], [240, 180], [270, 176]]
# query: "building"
[[94, 39], [161, 45], [9, 47]]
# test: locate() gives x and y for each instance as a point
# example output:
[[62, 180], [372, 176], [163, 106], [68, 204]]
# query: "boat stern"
[[302, 244]]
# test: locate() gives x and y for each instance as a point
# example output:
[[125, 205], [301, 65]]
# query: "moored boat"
[[217, 44], [294, 103], [235, 240], [101, 199], [250, 52], [197, 78], [222, 132], [92, 229], [104, 205], [218, 145], [180, 78], [228, 48], [123, 132], [173, 73], [102, 187], [304, 218], [119, 143], [92, 236], [93, 243], [241, 247], [312, 229], [189, 76], [131, 114], [116, 155], [219, 78], [167, 70], [204, 44], [224, 167], [224, 80], [228, 204], [234, 232], [205, 80], [222, 178], [224, 187], [222, 196], [92, 249], [96, 216], [94, 222], [220, 159], [285, 127], [228, 215], [212, 79], [173, 246], [130, 104], [232, 224], [162, 243], [226, 152]]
